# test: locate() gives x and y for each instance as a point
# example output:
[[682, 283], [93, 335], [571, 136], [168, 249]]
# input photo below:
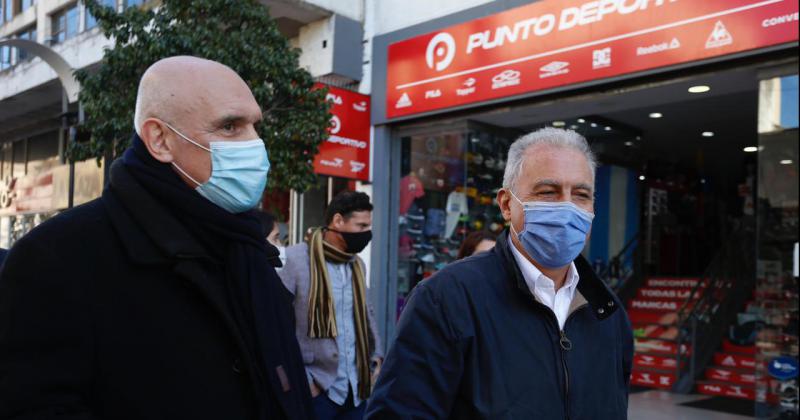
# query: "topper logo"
[[336, 124], [356, 166], [442, 48]]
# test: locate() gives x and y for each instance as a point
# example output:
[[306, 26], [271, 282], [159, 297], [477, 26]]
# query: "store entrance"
[[677, 166], [674, 223]]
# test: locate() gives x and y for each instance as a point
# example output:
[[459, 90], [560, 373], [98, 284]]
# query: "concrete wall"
[[354, 9], [392, 15]]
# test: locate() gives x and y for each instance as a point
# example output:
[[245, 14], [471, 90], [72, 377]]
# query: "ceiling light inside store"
[[641, 178], [581, 120], [699, 89], [574, 127], [708, 134], [594, 125], [608, 128], [786, 162], [629, 143], [750, 149], [656, 115], [559, 123]]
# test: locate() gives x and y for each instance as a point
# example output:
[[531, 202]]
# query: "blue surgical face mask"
[[238, 173], [554, 232]]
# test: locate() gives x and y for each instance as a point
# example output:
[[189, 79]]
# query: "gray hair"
[[550, 136]]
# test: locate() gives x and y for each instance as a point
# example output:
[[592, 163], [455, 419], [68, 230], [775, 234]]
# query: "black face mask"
[[355, 241]]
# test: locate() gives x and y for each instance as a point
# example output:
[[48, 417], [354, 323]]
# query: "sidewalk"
[[660, 405]]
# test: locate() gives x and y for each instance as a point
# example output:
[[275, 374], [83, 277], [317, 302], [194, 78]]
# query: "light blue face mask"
[[555, 232], [238, 173]]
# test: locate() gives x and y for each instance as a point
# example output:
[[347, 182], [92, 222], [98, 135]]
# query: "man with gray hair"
[[526, 331], [158, 300]]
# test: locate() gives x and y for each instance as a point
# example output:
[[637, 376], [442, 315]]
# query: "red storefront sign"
[[554, 43], [346, 152]]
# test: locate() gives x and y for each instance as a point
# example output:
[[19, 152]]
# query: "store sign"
[[346, 152], [783, 368], [48, 190], [555, 43]]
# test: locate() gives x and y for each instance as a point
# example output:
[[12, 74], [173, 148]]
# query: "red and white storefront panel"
[[553, 43], [653, 379], [346, 152], [655, 362], [725, 390]]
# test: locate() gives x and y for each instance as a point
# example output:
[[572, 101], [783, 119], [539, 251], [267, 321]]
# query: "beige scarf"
[[321, 313]]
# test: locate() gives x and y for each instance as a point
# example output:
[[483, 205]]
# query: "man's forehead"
[[222, 104], [555, 164], [361, 216]]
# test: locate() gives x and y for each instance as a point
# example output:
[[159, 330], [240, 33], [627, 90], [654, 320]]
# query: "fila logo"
[[433, 93], [441, 51]]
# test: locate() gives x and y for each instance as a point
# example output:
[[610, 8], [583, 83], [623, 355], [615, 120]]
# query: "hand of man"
[[377, 362], [315, 389]]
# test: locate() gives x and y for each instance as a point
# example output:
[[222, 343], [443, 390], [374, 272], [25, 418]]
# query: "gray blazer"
[[319, 354]]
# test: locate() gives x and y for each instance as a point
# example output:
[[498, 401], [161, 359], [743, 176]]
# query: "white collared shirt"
[[544, 289]]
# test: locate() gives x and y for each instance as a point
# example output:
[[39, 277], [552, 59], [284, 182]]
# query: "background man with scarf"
[[335, 325], [158, 300], [527, 330]]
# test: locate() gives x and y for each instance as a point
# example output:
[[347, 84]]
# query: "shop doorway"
[[675, 227]]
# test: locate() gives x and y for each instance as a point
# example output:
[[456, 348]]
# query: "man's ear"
[[154, 136], [504, 202], [338, 221]]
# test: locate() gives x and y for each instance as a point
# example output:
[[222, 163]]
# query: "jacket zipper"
[[566, 345]]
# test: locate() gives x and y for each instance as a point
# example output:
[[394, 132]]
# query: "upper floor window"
[[8, 9], [65, 24], [91, 22], [29, 34], [5, 57], [25, 4]]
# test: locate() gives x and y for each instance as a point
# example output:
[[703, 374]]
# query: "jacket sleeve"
[[373, 327], [377, 343], [422, 371], [45, 337], [627, 349]]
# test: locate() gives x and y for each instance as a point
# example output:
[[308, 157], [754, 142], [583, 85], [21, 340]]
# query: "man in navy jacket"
[[526, 331]]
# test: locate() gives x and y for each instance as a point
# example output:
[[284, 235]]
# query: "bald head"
[[175, 87], [203, 100]]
